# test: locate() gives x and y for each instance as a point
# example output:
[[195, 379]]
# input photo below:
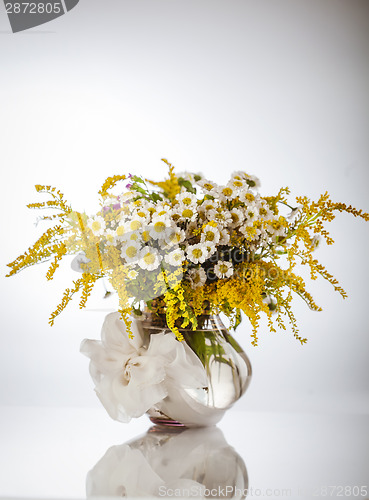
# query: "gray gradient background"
[[277, 88]]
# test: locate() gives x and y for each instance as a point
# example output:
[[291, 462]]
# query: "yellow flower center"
[[120, 230], [159, 227], [187, 213], [187, 201], [197, 253], [149, 258], [145, 236], [227, 191], [96, 226], [135, 225], [209, 236], [131, 252]]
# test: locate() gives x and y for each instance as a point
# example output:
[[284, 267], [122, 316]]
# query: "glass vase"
[[228, 372]]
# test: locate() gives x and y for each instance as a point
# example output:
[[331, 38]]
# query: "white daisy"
[[208, 205], [265, 213], [246, 196], [159, 208], [237, 183], [132, 274], [208, 187], [197, 277], [224, 237], [238, 174], [186, 198], [142, 215], [175, 258], [210, 234], [159, 226], [210, 247], [121, 231], [145, 235], [132, 236], [226, 193], [197, 253], [109, 236], [277, 228], [97, 225], [186, 213], [223, 269], [175, 236], [130, 251], [250, 232], [253, 181], [149, 258], [221, 216], [135, 224], [251, 213], [237, 217]]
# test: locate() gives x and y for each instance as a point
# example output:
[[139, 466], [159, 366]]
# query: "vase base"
[[166, 422]]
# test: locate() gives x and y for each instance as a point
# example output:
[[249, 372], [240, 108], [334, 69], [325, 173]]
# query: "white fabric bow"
[[132, 375]]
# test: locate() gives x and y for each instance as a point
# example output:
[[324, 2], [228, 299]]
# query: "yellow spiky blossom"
[[170, 186], [220, 249]]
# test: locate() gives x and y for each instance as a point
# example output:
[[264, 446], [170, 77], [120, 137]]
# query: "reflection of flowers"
[[132, 375], [189, 463]]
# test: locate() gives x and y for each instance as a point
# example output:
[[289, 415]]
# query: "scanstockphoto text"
[[324, 491]]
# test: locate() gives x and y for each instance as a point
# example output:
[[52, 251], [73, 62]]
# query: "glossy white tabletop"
[[48, 452]]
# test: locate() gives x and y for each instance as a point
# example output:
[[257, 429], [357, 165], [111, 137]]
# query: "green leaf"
[[135, 178], [156, 197], [186, 184], [138, 189]]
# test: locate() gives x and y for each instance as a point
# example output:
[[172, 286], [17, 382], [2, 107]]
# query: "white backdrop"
[[276, 88]]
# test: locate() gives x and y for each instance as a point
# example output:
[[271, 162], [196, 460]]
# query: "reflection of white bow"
[[188, 463], [132, 375]]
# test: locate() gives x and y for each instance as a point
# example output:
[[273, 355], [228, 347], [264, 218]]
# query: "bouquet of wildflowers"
[[186, 247]]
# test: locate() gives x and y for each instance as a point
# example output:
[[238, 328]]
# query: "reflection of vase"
[[180, 463], [228, 372]]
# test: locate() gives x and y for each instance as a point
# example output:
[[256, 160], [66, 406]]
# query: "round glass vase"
[[228, 371]]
